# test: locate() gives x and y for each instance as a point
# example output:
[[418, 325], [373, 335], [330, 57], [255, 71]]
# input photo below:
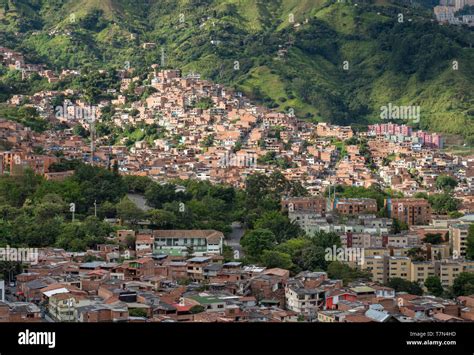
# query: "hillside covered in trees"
[[332, 61]]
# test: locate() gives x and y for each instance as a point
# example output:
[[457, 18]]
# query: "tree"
[[470, 243], [197, 309], [138, 312], [8, 269], [228, 253], [130, 242], [326, 240], [128, 211], [256, 241], [162, 219], [156, 194], [314, 255], [79, 130], [263, 193], [280, 225], [423, 195], [14, 190], [455, 214], [397, 226], [208, 141], [107, 210], [361, 192], [464, 284], [79, 236], [433, 284], [416, 254], [435, 238], [295, 247], [446, 182], [64, 165], [189, 251], [313, 258], [339, 271], [401, 285], [272, 258], [89, 258], [205, 103], [444, 203], [47, 210], [97, 184], [137, 184]]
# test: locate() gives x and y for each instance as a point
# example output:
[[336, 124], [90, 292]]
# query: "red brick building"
[[355, 206], [412, 211], [307, 204]]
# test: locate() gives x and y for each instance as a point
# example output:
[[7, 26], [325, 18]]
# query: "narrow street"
[[233, 239], [139, 201]]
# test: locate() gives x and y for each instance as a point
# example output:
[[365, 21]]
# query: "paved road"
[[233, 239], [139, 201]]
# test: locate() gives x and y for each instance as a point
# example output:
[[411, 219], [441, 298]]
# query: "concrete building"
[[61, 307], [355, 206], [420, 270], [449, 270], [312, 223], [303, 300], [377, 265], [384, 268], [177, 242], [196, 267], [399, 267], [412, 211], [458, 239], [316, 205]]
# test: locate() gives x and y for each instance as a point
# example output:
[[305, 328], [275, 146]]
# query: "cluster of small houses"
[[156, 282], [172, 287], [233, 121]]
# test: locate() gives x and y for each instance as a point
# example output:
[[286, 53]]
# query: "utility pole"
[[92, 129], [95, 208]]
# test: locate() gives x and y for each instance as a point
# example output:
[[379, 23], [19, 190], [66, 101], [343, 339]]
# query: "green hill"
[[284, 53]]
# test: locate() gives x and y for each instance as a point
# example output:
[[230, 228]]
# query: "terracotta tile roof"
[[357, 318]]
